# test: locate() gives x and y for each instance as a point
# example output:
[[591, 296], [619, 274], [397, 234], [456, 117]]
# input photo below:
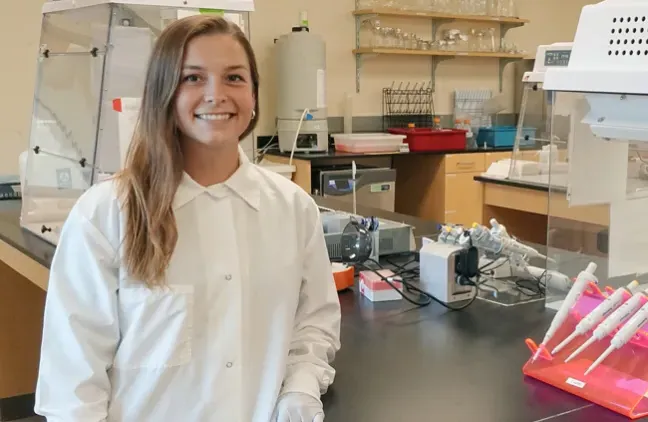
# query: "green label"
[[204, 11], [379, 187]]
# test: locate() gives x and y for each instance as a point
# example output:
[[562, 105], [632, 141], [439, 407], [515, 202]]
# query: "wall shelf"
[[377, 50], [440, 16], [437, 56]]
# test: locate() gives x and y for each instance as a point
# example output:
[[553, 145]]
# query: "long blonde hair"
[[154, 164]]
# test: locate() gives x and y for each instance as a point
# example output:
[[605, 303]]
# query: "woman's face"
[[214, 102]]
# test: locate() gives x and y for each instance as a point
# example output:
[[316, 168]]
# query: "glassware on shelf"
[[510, 48], [490, 40], [368, 4], [471, 7], [493, 7], [507, 8]]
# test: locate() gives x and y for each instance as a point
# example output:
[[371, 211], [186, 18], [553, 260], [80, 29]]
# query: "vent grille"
[[628, 36], [385, 245]]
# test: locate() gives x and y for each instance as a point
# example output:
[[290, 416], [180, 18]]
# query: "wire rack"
[[412, 103], [469, 104]]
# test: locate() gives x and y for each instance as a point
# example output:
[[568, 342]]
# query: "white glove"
[[298, 407]]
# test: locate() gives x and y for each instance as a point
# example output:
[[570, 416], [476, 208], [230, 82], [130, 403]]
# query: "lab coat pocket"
[[156, 327]]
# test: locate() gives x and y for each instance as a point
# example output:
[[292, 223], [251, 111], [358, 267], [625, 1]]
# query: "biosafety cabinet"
[[597, 163], [92, 63]]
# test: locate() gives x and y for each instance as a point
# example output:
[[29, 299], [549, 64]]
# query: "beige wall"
[[551, 21]]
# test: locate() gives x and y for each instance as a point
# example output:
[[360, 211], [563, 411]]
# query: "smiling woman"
[[169, 298], [194, 86]]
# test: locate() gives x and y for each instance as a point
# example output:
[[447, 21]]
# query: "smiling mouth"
[[214, 116]]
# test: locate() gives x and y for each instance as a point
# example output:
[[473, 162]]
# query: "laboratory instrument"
[[584, 278], [448, 271], [91, 53], [502, 256], [612, 322], [389, 237], [498, 241], [611, 303], [623, 336], [302, 113], [597, 117], [375, 187]]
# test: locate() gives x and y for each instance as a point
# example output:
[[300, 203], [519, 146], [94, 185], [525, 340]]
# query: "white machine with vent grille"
[[609, 63], [602, 98]]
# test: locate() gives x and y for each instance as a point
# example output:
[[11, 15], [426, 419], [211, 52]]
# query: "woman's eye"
[[235, 78], [191, 78]]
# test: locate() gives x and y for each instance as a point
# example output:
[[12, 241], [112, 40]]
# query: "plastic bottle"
[[470, 136]]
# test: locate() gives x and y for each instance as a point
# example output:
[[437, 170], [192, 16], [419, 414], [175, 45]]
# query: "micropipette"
[[624, 335], [584, 278], [615, 319], [601, 311]]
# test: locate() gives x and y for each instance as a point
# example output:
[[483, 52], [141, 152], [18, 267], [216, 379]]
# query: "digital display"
[[557, 57]]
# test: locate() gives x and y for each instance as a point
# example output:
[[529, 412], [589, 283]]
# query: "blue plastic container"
[[504, 136]]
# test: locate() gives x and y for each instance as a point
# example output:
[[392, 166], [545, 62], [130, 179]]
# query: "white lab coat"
[[251, 311]]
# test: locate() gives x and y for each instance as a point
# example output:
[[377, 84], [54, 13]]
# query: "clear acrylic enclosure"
[[530, 162], [91, 69], [598, 196]]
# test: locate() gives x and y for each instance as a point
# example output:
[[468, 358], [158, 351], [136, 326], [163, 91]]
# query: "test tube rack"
[[619, 383]]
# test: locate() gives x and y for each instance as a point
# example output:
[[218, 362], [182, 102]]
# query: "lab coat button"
[[229, 364], [228, 277]]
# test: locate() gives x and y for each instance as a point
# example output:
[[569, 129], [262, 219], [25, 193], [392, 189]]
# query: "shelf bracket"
[[502, 66], [506, 26], [436, 24], [358, 64], [358, 58], [435, 63]]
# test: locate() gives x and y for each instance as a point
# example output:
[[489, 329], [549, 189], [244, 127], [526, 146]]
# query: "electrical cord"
[[412, 288], [294, 145]]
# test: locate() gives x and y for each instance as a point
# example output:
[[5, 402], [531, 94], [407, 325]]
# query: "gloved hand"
[[298, 407]]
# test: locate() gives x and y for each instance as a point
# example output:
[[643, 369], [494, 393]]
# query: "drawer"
[[492, 157], [464, 163]]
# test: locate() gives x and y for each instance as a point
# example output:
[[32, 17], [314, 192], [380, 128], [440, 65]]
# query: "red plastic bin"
[[428, 139]]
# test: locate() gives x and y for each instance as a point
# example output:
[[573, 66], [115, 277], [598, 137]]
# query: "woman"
[[194, 286]]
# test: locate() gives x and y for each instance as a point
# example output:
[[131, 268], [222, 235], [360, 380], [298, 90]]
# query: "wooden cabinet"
[[440, 188], [463, 199]]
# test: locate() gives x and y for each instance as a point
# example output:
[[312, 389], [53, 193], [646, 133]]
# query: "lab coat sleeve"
[[80, 327], [316, 334]]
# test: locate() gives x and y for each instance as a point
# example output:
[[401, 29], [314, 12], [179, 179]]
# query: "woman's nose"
[[214, 92]]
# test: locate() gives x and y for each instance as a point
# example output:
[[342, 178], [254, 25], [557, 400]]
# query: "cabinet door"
[[464, 199]]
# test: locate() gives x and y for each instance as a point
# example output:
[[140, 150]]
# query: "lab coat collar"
[[243, 183]]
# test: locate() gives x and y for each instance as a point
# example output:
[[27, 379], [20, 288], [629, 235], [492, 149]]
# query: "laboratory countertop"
[[398, 363], [543, 187], [332, 153]]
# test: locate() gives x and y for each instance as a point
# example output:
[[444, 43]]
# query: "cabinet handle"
[[465, 163]]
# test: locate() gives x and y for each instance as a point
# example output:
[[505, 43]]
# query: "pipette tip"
[[565, 342], [600, 359], [578, 351], [537, 352]]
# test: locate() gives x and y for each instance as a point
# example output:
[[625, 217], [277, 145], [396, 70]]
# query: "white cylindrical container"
[[301, 75]]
